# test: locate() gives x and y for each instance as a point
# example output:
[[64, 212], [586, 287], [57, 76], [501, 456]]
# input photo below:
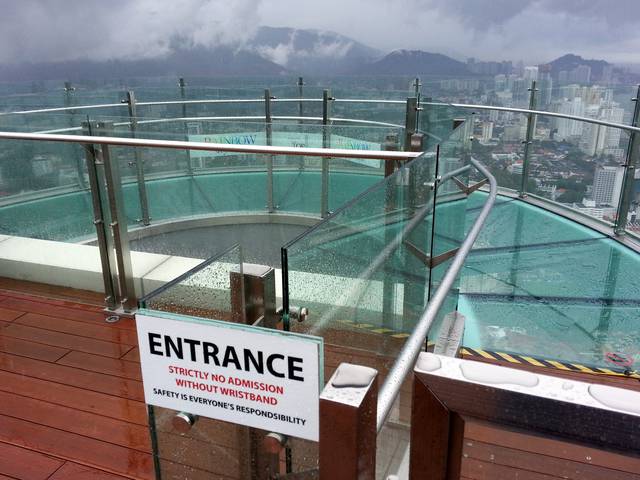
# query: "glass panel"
[[202, 291], [450, 213], [44, 191], [582, 172], [352, 269]]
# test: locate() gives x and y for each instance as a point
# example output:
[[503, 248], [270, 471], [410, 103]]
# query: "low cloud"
[[53, 30], [533, 30]]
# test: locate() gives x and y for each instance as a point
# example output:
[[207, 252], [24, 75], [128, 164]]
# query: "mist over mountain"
[[311, 51], [182, 61], [414, 62], [570, 61], [269, 51]]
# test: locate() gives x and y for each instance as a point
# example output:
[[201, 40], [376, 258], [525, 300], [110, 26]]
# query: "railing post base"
[[348, 408]]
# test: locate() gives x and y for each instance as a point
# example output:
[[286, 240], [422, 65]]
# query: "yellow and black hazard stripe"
[[379, 330], [545, 363]]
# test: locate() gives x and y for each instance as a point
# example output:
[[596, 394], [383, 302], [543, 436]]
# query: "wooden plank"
[[77, 398], [97, 363], [527, 460], [132, 355], [430, 434], [477, 470], [73, 471], [551, 447], [64, 340], [97, 382], [9, 315], [68, 419], [12, 286], [79, 313], [29, 349], [206, 456], [25, 464], [99, 331], [78, 448], [177, 471]]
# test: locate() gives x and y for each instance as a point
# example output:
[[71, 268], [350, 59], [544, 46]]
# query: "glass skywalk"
[[540, 285]]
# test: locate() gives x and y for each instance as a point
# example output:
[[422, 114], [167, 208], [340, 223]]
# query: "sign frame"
[[279, 393]]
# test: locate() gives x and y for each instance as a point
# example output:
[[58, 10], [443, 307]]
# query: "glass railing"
[[379, 252]]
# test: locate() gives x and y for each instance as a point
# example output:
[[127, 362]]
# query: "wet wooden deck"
[[72, 405], [71, 398]]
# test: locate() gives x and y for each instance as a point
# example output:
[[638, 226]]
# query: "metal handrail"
[[338, 100], [604, 123], [415, 343], [212, 147]]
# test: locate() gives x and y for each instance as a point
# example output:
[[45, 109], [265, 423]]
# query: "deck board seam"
[[80, 323], [58, 346], [146, 452]]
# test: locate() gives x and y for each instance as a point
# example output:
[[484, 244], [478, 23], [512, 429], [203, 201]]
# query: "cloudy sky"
[[532, 30]]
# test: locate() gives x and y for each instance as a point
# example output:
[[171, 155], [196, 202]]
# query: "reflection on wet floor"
[[538, 284]]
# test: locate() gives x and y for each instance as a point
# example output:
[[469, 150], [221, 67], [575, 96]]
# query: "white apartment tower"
[[607, 184]]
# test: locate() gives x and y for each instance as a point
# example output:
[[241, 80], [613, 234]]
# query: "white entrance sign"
[[251, 376]]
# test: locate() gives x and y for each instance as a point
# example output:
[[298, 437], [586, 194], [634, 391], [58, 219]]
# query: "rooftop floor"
[[71, 399]]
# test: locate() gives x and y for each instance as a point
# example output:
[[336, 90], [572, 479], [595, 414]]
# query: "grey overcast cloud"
[[532, 30]]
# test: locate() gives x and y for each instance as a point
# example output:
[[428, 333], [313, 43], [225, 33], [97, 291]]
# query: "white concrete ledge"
[[78, 266]]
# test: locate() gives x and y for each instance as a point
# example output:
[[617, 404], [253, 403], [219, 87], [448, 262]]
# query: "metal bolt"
[[183, 421], [112, 319]]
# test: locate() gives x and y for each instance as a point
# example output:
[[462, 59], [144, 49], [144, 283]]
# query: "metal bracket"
[[425, 258], [467, 189]]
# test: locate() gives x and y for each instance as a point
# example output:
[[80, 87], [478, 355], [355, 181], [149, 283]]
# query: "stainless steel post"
[[73, 152], [269, 133], [326, 143], [118, 223], [410, 122], [183, 97], [107, 259], [531, 126], [139, 163], [633, 152], [300, 96], [416, 89], [255, 302]]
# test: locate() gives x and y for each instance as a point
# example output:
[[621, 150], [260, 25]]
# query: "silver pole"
[[139, 163], [269, 133], [73, 153], [300, 97], [417, 93], [183, 96], [107, 259], [326, 143], [410, 121], [633, 152], [213, 147], [531, 125], [118, 225], [415, 343]]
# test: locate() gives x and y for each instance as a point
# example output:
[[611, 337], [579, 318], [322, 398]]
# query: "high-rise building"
[[545, 86], [530, 74], [569, 129], [592, 137], [607, 184], [615, 114], [487, 132]]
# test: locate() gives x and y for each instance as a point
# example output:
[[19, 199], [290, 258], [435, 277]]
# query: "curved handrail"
[[415, 343], [336, 100], [212, 147], [544, 113]]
